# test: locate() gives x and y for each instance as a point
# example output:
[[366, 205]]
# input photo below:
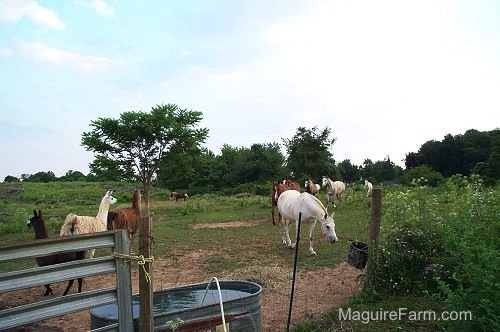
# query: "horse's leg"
[[48, 290], [339, 198], [272, 213], [297, 234], [286, 235], [311, 233], [68, 287]]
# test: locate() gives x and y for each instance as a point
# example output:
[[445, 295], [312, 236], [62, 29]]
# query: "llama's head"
[[36, 219], [108, 199]]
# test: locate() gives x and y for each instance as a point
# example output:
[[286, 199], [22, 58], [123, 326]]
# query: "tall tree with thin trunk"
[[144, 141]]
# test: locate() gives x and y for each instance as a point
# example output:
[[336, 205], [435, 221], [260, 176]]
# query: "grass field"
[[177, 230], [173, 222]]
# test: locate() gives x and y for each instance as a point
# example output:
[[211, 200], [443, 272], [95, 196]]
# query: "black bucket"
[[358, 254]]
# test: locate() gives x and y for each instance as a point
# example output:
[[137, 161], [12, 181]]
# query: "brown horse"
[[278, 188], [179, 196], [291, 184], [311, 187]]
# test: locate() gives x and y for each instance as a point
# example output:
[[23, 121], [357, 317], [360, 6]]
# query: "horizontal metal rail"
[[62, 305], [58, 306], [44, 247], [37, 276]]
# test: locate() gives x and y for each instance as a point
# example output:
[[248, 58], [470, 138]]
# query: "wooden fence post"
[[374, 233], [146, 323]]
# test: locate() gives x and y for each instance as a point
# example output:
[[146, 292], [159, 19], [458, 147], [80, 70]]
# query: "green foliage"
[[309, 154], [142, 142], [423, 172], [460, 154], [448, 251], [349, 172], [10, 178], [208, 173], [381, 171]]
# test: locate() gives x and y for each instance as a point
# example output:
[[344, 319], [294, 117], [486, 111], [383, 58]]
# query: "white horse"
[[291, 203], [333, 188], [368, 188]]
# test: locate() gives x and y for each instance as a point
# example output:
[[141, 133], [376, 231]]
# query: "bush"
[[444, 244]]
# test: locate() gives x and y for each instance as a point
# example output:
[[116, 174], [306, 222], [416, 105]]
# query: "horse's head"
[[325, 181], [328, 227], [36, 219]]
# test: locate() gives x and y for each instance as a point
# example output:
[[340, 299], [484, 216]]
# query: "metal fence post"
[[124, 282]]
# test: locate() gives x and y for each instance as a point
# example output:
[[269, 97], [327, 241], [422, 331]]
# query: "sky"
[[385, 76]]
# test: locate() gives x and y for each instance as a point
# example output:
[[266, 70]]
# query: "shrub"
[[444, 245]]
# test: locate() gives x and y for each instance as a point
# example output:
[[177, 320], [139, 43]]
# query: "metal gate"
[[121, 293]]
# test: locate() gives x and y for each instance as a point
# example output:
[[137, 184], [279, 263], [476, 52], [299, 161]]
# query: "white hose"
[[220, 297]]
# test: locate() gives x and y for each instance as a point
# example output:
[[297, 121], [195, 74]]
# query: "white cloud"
[[102, 8], [38, 52], [6, 52], [14, 10]]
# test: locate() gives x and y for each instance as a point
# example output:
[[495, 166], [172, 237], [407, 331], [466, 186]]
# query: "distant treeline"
[[473, 152], [241, 169]]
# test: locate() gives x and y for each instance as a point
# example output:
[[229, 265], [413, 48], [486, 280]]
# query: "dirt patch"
[[230, 224]]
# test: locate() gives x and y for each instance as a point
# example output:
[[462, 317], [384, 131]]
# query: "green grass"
[[234, 248]]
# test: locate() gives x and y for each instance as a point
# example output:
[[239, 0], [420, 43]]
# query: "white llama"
[[75, 224]]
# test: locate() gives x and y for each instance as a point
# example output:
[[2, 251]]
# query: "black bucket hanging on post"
[[358, 254]]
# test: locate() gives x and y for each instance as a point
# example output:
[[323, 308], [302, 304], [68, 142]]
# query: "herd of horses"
[[334, 189], [305, 208]]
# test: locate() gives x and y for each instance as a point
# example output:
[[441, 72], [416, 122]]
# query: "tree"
[[459, 154], [73, 176], [309, 154], [261, 162], [106, 169], [44, 177], [142, 142], [10, 178], [349, 172]]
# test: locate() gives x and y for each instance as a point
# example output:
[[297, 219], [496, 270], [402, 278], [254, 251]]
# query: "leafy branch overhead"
[[141, 141]]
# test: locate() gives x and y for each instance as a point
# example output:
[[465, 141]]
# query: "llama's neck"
[[102, 215], [136, 201], [41, 231]]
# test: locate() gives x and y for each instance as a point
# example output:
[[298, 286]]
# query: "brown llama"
[[127, 218], [38, 225]]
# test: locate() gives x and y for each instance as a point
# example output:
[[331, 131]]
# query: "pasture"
[[205, 236], [233, 237]]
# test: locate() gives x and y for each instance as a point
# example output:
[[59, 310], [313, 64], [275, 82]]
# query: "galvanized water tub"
[[196, 309]]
